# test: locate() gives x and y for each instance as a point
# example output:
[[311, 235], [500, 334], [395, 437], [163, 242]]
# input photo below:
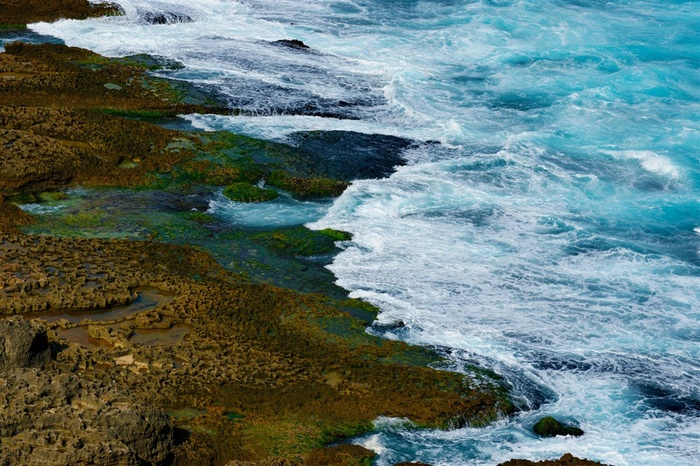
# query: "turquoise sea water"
[[553, 231]]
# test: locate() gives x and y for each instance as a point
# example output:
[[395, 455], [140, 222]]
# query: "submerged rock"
[[169, 17], [550, 427], [22, 344], [292, 43]]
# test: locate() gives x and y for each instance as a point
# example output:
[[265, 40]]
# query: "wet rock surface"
[[347, 155], [550, 427], [340, 455], [12, 216]]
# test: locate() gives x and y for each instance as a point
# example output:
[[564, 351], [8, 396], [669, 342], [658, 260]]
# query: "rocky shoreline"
[[228, 367]]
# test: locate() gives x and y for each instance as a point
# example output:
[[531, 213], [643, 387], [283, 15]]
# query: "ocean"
[[547, 223]]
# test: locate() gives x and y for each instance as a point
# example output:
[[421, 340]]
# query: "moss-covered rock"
[[336, 235], [298, 241], [21, 12], [246, 192], [307, 188], [550, 427]]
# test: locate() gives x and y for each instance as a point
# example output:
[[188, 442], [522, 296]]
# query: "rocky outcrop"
[[12, 216], [22, 344]]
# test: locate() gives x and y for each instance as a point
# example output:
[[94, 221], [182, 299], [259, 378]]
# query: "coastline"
[[310, 374]]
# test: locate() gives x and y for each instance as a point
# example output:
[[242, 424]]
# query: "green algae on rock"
[[246, 192]]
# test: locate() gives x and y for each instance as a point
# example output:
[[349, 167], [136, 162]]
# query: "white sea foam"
[[40, 208], [283, 211], [650, 161]]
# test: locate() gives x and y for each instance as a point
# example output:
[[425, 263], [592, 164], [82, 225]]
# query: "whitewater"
[[547, 226]]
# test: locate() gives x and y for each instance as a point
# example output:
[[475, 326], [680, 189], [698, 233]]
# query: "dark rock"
[[22, 344], [347, 155], [396, 324], [550, 427], [292, 43], [148, 433], [565, 460], [11, 215]]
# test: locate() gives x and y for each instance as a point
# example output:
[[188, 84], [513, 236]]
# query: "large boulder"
[[12, 216], [22, 344]]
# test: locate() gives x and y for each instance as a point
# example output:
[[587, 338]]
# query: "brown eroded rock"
[[55, 75], [29, 159], [70, 419], [12, 216], [22, 344], [49, 148]]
